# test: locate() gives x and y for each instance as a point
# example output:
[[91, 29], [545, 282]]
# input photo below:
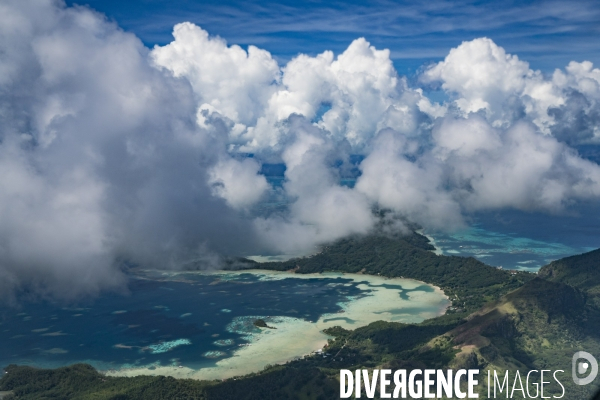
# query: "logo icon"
[[579, 367]]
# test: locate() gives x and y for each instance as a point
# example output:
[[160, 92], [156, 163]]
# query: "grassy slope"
[[538, 326]]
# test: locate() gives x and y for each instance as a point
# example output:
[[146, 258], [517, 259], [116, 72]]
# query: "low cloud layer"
[[112, 153]]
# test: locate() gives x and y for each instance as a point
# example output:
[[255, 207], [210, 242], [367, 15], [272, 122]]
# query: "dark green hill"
[[581, 271], [538, 318], [538, 326], [81, 381], [467, 281]]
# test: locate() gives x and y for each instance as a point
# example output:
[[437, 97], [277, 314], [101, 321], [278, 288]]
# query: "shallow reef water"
[[502, 249], [192, 319], [167, 346]]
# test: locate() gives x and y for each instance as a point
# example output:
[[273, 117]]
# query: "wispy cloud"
[[412, 30]]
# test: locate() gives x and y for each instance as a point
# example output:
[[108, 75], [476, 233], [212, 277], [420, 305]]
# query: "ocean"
[[524, 241]]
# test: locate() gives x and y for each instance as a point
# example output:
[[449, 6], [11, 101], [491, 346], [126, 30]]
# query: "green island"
[[499, 320]]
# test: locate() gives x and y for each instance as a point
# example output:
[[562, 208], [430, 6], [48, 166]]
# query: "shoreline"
[[295, 338], [438, 250]]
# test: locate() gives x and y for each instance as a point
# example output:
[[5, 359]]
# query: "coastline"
[[278, 346], [438, 250]]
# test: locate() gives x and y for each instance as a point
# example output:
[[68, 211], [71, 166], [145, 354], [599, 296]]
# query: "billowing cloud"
[[113, 154], [415, 190], [481, 76], [488, 168], [101, 157], [351, 96], [237, 182], [321, 209], [229, 80]]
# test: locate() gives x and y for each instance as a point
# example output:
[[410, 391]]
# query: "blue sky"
[[547, 34]]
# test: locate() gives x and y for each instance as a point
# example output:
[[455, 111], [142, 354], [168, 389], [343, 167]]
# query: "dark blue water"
[[194, 321]]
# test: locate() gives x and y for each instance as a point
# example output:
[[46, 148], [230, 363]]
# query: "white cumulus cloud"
[[112, 154]]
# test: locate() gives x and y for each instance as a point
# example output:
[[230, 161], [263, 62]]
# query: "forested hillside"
[[467, 281]]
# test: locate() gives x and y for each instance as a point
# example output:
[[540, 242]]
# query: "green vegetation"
[[578, 271], [538, 326], [468, 282], [81, 381], [260, 323], [280, 382], [500, 321]]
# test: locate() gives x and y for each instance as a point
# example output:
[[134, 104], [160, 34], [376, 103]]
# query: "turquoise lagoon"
[[200, 321], [523, 241]]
